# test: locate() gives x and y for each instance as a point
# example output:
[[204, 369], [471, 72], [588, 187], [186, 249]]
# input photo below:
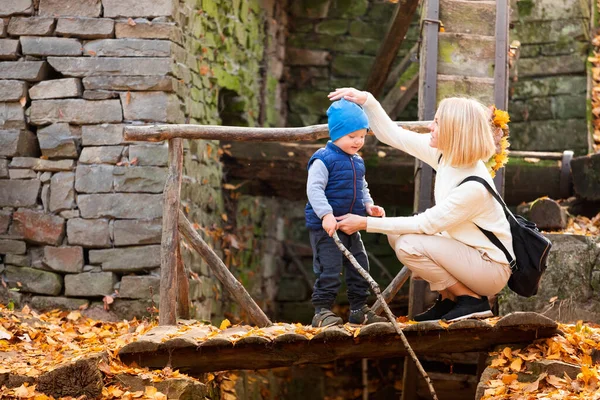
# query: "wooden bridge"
[[195, 348]]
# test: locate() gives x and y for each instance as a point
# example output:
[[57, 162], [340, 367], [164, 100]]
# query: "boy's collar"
[[335, 148]]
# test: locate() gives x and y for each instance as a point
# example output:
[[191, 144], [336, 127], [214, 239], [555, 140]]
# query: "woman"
[[443, 244]]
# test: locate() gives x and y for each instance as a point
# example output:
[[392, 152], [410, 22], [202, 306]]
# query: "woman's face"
[[435, 130]]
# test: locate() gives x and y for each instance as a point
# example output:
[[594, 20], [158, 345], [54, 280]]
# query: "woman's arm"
[[463, 203], [386, 130]]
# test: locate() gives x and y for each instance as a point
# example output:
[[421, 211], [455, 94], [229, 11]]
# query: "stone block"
[[101, 135], [12, 116], [126, 260], [466, 55], [71, 8], [568, 107], [151, 106], [547, 214], [139, 287], [62, 192], [50, 46], [64, 259], [550, 135], [546, 10], [19, 193], [69, 214], [19, 260], [92, 233], [307, 57], [17, 143], [56, 89], [90, 284], [85, 28], [549, 86], [94, 178], [586, 176], [22, 174], [532, 109], [551, 65], [5, 218], [3, 168], [310, 8], [12, 90], [540, 32], [128, 48], [149, 154], [101, 155], [38, 164], [128, 82], [9, 49], [38, 227], [138, 8], [100, 94], [31, 26], [57, 141], [31, 71], [309, 101], [348, 8], [3, 26], [144, 29], [16, 7], [87, 66], [365, 30], [46, 303], [33, 280], [75, 111], [139, 179], [352, 65], [8, 246], [120, 205], [135, 232]]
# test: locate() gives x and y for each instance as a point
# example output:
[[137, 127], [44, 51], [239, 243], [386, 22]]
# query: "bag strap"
[[491, 236]]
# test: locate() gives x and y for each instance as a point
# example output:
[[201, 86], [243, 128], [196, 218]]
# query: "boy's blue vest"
[[344, 190]]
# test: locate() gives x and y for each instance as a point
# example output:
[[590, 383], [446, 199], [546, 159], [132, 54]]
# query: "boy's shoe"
[[437, 311], [364, 316], [326, 317], [469, 307]]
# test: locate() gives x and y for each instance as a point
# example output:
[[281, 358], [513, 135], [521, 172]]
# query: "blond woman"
[[443, 245]]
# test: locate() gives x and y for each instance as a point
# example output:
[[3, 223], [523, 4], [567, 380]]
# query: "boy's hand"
[[375, 211], [329, 224]]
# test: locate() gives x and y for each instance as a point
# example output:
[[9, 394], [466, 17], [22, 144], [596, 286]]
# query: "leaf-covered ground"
[[39, 343]]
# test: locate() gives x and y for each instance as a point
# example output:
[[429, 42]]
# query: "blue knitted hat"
[[345, 117]]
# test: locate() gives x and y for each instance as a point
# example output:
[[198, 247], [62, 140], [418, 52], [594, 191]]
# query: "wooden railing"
[[174, 285]]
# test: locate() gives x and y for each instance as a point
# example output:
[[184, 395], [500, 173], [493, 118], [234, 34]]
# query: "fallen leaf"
[[225, 324]]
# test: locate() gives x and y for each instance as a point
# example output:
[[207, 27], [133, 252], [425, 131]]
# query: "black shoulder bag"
[[530, 246]]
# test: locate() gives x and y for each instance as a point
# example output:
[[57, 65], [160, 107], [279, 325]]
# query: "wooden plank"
[[158, 133], [233, 286], [167, 314], [390, 46]]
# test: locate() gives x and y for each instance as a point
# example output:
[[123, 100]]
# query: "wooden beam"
[[233, 286], [169, 243], [183, 286], [390, 46], [390, 292], [158, 133]]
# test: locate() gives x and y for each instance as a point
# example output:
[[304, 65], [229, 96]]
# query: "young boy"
[[336, 186]]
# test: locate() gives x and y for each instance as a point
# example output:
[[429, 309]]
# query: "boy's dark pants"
[[328, 262]]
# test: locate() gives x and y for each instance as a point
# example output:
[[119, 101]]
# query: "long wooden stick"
[[388, 312], [157, 133], [390, 292], [183, 286], [235, 288], [167, 314]]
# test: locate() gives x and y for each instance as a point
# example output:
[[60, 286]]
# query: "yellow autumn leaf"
[[443, 324], [507, 352], [516, 364], [225, 324], [507, 379]]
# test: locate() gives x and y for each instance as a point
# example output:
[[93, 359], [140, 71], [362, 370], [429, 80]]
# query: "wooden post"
[[183, 285], [235, 288], [169, 244], [390, 46]]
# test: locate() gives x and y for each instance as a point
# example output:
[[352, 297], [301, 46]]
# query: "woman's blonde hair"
[[465, 134]]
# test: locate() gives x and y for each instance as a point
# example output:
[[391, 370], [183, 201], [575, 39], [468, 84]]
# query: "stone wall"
[[333, 43], [80, 208], [548, 101]]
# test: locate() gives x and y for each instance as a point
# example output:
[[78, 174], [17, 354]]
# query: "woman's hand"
[[350, 94], [351, 223]]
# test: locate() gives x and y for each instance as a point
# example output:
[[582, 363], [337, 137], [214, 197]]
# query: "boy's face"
[[352, 142]]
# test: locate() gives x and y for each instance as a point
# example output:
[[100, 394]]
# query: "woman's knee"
[[408, 245]]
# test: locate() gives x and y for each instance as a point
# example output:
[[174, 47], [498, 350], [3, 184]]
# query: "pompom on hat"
[[344, 117]]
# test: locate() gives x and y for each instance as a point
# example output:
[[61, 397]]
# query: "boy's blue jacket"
[[344, 190]]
